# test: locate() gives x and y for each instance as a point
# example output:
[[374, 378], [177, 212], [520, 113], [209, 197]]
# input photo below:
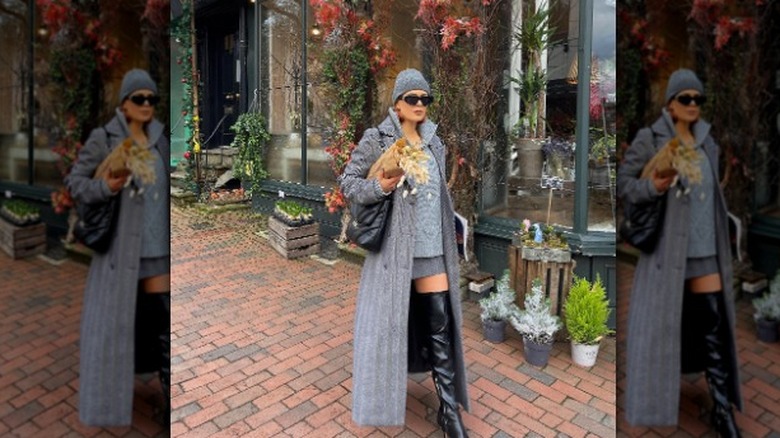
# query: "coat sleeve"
[[83, 188], [354, 185], [631, 188]]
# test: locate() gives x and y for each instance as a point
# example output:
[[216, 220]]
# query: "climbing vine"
[[354, 54], [182, 31], [81, 53]]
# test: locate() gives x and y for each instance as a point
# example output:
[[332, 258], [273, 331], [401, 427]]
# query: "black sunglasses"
[[412, 99], [686, 99], [139, 99]]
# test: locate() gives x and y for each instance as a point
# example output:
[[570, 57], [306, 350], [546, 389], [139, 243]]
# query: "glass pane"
[[14, 117], [401, 32], [601, 167], [532, 163], [318, 119], [283, 67]]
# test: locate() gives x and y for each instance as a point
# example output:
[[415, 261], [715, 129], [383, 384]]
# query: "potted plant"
[[292, 231], [541, 242], [292, 213], [586, 311], [496, 309], [536, 325], [20, 213], [533, 36], [767, 314]]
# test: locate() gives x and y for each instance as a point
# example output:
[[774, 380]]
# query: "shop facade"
[[262, 53], [30, 120]]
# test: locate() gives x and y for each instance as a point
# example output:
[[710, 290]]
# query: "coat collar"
[[118, 128], [664, 127], [391, 126]]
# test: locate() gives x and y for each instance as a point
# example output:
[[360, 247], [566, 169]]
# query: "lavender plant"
[[557, 147]]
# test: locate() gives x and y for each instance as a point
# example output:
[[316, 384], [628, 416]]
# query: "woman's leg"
[[157, 284], [157, 289], [433, 295], [705, 284], [707, 293], [431, 284]]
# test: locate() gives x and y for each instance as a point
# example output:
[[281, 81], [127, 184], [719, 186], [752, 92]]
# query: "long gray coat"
[[655, 359], [107, 348], [382, 328]]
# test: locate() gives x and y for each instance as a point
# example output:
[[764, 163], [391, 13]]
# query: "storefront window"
[[284, 68], [601, 163], [15, 83], [540, 184], [505, 191]]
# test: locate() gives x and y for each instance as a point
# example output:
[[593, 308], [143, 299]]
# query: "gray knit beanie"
[[682, 79], [408, 80], [134, 80]]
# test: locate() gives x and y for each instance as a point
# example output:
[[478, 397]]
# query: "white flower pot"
[[584, 355]]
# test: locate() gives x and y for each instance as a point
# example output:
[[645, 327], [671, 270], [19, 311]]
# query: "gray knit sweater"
[[427, 208], [156, 232], [427, 233], [701, 235]]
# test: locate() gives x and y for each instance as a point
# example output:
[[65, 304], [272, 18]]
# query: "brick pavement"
[[40, 310], [760, 376], [262, 347]]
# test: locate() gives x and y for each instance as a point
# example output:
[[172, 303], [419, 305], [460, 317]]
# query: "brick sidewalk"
[[40, 310], [262, 347], [760, 376]]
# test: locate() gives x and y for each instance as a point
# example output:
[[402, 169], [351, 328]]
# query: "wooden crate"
[[19, 242], [554, 268], [293, 242]]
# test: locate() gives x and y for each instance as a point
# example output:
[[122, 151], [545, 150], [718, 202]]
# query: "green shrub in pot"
[[587, 311]]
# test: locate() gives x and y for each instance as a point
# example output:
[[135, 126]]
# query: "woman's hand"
[[115, 181], [662, 180], [388, 184]]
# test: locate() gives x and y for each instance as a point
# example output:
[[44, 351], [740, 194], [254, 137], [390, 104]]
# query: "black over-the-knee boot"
[[162, 322], [718, 364], [440, 355]]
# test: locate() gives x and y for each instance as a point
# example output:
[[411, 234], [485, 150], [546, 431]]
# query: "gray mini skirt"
[[427, 266], [154, 266], [700, 266]]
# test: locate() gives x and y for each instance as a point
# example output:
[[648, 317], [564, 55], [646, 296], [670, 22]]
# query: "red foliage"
[[75, 25], [727, 27], [452, 28], [157, 13], [439, 14], [715, 14], [358, 33], [652, 53], [335, 200], [61, 200]]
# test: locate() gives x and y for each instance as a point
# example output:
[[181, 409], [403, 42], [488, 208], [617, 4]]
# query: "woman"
[[125, 325], [408, 309], [681, 317]]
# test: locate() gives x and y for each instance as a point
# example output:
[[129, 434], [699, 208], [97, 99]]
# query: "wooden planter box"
[[554, 267], [293, 242], [19, 242]]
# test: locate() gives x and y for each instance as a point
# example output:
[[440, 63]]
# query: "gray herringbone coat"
[[382, 326], [106, 371], [654, 358]]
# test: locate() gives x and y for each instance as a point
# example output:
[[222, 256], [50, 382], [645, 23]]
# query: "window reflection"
[[15, 82]]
